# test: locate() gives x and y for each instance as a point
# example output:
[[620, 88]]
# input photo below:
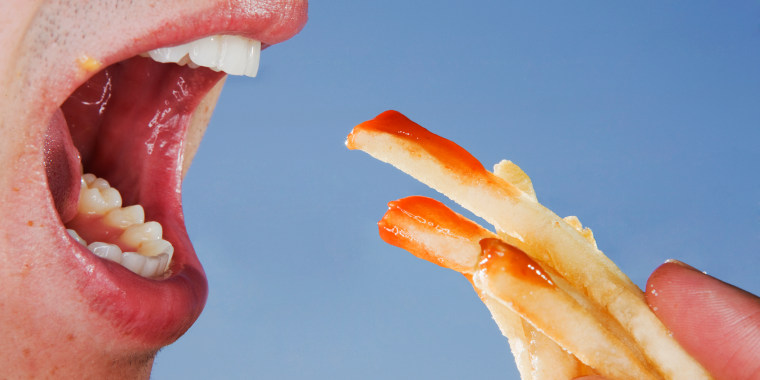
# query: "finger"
[[717, 323]]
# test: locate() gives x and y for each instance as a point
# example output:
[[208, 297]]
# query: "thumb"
[[717, 323]]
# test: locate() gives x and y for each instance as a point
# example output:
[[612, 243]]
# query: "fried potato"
[[431, 231], [558, 244]]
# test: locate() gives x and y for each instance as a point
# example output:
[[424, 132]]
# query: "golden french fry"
[[511, 277], [430, 230], [537, 356], [511, 326], [448, 168], [549, 360]]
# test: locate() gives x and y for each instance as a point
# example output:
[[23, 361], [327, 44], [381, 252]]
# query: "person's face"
[[77, 97]]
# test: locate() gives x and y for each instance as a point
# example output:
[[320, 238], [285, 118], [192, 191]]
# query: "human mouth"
[[129, 121], [102, 223]]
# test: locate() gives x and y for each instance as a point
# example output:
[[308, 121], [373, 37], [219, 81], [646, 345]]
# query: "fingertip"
[[715, 322], [672, 276]]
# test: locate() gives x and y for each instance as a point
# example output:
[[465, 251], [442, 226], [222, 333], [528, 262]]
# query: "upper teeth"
[[234, 55]]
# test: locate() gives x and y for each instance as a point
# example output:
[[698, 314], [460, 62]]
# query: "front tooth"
[[138, 233], [234, 55], [237, 54], [125, 217], [254, 56], [170, 54], [206, 51]]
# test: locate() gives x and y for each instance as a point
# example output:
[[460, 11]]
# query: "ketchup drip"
[[500, 257]]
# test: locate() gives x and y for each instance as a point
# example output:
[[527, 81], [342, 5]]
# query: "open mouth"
[[115, 151], [126, 128]]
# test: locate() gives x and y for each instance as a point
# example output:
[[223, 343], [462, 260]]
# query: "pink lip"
[[156, 312], [271, 22]]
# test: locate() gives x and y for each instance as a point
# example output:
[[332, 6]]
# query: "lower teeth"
[[151, 255]]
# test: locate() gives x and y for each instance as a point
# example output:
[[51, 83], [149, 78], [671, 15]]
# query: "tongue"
[[63, 168]]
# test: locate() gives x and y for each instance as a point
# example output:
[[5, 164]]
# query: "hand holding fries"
[[552, 292]]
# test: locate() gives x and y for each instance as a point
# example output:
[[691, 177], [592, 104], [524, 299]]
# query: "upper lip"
[[140, 305], [270, 22]]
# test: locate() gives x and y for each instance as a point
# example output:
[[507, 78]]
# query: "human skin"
[[717, 323], [64, 312]]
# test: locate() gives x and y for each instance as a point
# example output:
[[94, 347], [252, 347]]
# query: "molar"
[[96, 196], [102, 202], [97, 201], [124, 217], [136, 234]]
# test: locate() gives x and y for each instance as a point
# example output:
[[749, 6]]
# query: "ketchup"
[[409, 219], [500, 257], [431, 215], [394, 123]]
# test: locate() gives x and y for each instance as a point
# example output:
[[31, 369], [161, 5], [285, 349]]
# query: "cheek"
[[18, 15], [198, 124]]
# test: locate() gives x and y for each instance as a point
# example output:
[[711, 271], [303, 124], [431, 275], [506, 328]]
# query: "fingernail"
[[682, 265]]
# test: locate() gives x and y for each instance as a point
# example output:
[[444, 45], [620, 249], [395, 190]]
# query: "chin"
[[106, 103]]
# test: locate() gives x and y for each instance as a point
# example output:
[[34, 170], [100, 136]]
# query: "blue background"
[[643, 120]]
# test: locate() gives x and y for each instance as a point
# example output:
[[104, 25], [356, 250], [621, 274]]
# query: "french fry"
[[512, 327], [521, 284], [527, 225], [430, 230], [547, 359]]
